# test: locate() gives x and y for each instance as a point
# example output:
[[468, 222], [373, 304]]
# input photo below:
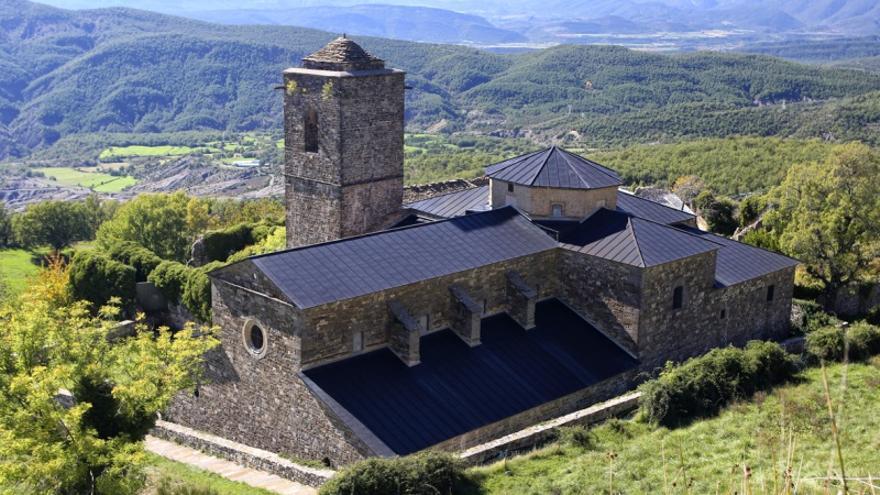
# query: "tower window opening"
[[310, 126]]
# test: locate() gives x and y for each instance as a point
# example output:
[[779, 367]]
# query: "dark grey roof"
[[342, 54], [454, 204], [632, 240], [458, 388], [554, 167], [738, 262], [650, 210], [321, 273]]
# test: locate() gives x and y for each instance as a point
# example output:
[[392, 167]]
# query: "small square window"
[[678, 297], [509, 187], [771, 292], [557, 211]]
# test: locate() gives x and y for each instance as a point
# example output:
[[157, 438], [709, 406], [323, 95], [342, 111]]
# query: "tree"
[[55, 223], [718, 211], [688, 187], [157, 222], [76, 399], [828, 215], [6, 238]]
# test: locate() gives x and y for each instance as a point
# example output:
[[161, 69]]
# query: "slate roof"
[[554, 167], [321, 273], [457, 388], [738, 262], [454, 204], [624, 238], [650, 210], [342, 54]]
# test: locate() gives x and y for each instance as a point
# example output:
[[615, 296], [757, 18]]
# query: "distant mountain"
[[120, 70], [386, 21]]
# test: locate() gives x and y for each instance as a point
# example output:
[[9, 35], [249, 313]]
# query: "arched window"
[[310, 127], [678, 297]]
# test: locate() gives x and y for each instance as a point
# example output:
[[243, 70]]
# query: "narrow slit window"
[[310, 126], [509, 187], [678, 297], [358, 344], [771, 292]]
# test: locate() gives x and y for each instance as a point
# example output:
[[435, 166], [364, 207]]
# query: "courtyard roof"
[[322, 273], [554, 167], [458, 388]]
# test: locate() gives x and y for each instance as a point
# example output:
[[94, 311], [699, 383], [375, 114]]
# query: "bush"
[[197, 291], [831, 343], [428, 473], [96, 278], [703, 385], [136, 256], [220, 244], [170, 278], [813, 317]]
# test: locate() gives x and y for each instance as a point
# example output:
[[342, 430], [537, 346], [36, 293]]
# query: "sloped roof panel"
[[322, 273], [554, 167], [650, 210], [454, 204]]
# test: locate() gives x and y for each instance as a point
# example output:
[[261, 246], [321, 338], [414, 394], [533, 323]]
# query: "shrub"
[[862, 340], [220, 244], [168, 488], [428, 473], [136, 256], [702, 385], [576, 436], [96, 278], [197, 291], [170, 278], [813, 317], [826, 343]]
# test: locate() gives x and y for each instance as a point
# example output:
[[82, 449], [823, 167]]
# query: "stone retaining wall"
[[242, 454]]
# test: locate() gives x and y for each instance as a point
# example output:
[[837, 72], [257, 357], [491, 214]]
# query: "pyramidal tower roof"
[[342, 54], [554, 167]]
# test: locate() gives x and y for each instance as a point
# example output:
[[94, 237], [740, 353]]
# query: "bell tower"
[[343, 144]]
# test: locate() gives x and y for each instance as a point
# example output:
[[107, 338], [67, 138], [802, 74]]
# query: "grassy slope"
[[710, 455], [177, 474], [15, 267]]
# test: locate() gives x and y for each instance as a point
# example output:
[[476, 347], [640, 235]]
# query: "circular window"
[[254, 338]]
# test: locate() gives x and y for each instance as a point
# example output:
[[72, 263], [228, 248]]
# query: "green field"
[[711, 456], [97, 181], [16, 266], [119, 152]]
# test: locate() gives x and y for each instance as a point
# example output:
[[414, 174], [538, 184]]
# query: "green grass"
[[97, 181], [710, 456], [117, 152], [177, 474], [16, 266]]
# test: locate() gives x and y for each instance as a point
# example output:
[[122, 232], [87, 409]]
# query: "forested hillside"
[[120, 70]]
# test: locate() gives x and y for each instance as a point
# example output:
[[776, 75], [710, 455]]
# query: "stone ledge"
[[543, 432], [244, 455]]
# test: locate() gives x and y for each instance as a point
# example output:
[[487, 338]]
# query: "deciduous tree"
[[157, 222], [54, 223], [828, 215], [75, 399]]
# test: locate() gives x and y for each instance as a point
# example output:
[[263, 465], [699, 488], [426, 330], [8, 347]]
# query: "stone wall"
[[353, 182], [259, 400], [710, 316], [330, 333], [598, 392], [606, 293], [539, 201]]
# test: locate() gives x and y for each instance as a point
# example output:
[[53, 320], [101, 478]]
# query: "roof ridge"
[[671, 227], [602, 168], [523, 155], [546, 160], [567, 157], [635, 238]]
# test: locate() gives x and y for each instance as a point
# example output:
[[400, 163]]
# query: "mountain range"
[[120, 70]]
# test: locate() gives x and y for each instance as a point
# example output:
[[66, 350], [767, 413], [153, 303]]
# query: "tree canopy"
[[157, 222], [827, 214], [77, 397], [54, 223]]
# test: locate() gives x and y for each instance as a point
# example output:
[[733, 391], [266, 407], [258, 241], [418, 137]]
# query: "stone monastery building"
[[388, 328]]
